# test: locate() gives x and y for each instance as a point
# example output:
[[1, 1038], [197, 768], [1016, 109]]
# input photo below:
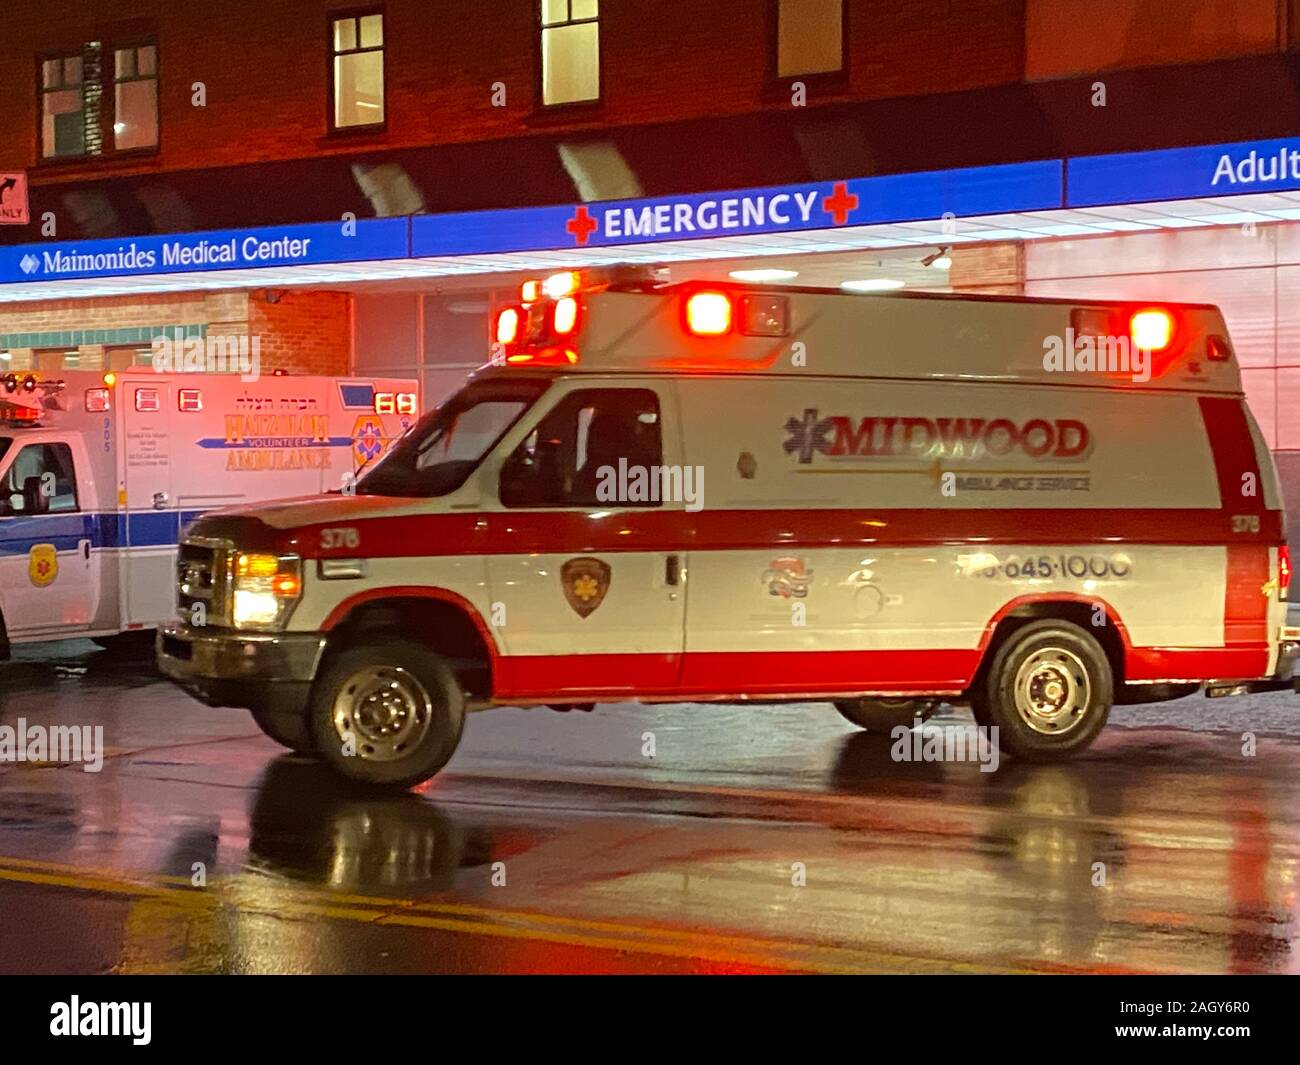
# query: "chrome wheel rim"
[[385, 711], [1052, 691]]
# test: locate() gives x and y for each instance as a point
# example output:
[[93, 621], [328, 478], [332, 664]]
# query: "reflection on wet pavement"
[[758, 839]]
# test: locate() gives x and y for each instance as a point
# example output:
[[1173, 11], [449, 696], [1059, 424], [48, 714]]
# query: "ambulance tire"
[[418, 688], [877, 715], [288, 730], [1048, 690]]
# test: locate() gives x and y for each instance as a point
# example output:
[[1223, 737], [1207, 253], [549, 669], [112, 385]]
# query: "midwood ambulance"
[[882, 501], [99, 472]]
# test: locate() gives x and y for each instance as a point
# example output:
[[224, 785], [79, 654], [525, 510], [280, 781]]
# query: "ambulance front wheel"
[[288, 730], [388, 715], [1048, 690], [885, 714]]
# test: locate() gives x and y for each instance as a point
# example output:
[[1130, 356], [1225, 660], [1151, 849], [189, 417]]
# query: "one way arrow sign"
[[13, 199]]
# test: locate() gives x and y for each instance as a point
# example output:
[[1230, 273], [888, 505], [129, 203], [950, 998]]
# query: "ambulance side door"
[[49, 575], [582, 565]]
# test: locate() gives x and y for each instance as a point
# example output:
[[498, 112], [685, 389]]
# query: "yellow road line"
[[790, 955]]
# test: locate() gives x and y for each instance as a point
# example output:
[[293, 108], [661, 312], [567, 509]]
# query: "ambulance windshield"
[[449, 442]]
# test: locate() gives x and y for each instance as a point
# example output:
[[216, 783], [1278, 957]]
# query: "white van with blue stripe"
[[100, 472]]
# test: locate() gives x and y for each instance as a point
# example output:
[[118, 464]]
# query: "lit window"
[[810, 37], [135, 98], [63, 111], [358, 43], [570, 51]]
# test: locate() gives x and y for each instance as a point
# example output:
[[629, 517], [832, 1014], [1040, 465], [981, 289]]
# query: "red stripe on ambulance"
[[570, 532]]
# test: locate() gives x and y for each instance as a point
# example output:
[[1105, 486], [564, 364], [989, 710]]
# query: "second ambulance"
[[713, 493], [99, 473]]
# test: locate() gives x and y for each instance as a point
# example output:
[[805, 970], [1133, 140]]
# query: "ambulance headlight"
[[266, 588]]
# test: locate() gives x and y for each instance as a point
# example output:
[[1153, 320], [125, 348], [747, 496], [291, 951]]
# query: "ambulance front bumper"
[[257, 671]]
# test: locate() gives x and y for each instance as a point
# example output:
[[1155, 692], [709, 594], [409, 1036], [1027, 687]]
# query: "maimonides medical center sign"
[[1090, 181], [315, 243]]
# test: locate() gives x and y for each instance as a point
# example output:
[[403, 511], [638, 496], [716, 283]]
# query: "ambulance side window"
[[585, 452], [40, 480]]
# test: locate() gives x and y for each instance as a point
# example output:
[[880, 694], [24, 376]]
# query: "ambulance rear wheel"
[[387, 715], [884, 714], [1048, 690], [288, 730]]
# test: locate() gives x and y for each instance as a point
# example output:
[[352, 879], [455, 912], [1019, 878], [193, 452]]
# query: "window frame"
[[560, 400], [109, 46], [778, 82], [111, 83], [48, 512], [570, 106], [331, 96], [41, 92]]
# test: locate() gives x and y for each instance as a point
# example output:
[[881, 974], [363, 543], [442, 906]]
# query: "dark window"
[[63, 107], [41, 480], [570, 51], [587, 451], [809, 37], [440, 451], [56, 360], [357, 69], [91, 108]]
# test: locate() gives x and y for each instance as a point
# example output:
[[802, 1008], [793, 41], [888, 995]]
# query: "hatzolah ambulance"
[[99, 472], [903, 505]]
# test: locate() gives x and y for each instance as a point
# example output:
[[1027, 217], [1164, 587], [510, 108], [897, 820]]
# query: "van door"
[[152, 518], [584, 567], [49, 579]]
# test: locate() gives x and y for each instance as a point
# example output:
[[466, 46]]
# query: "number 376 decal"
[[343, 537]]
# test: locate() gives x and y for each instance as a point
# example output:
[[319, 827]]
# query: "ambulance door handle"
[[672, 570], [85, 550], [160, 501]]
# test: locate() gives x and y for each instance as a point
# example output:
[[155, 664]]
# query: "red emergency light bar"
[[394, 402], [18, 413]]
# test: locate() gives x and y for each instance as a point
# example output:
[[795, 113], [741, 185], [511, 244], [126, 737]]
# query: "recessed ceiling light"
[[764, 275], [872, 284]]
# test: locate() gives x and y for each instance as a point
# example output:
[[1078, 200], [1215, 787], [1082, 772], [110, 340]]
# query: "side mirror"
[[35, 501]]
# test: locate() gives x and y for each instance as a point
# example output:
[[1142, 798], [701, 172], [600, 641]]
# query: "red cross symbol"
[[840, 203], [581, 225]]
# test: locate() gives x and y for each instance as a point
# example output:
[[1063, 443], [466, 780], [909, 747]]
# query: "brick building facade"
[[690, 96]]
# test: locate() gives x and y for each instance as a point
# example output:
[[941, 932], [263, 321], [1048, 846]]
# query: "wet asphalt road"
[[1164, 849]]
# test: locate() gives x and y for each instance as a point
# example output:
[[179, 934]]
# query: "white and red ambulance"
[[99, 473], [685, 492]]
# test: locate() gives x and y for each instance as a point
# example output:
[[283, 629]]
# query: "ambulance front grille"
[[203, 582]]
